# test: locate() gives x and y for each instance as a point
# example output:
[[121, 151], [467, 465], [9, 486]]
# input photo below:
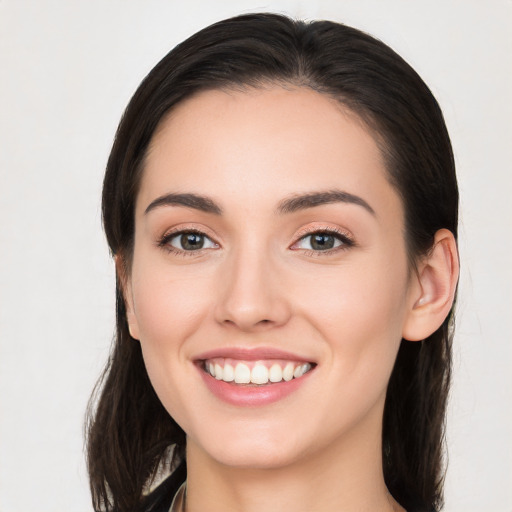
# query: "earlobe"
[[433, 292], [126, 290]]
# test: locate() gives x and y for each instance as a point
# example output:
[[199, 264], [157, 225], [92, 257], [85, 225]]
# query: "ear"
[[124, 280], [433, 290]]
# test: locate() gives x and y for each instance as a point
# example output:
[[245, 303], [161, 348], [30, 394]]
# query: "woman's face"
[[268, 242]]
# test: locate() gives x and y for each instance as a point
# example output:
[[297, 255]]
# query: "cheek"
[[358, 318], [350, 296], [169, 309], [167, 305], [359, 310]]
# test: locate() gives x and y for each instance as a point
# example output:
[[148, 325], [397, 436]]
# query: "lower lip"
[[251, 396]]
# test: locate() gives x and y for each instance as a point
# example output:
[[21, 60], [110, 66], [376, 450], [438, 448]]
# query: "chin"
[[255, 458], [256, 450]]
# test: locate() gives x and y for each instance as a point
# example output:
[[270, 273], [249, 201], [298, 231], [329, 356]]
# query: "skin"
[[258, 283]]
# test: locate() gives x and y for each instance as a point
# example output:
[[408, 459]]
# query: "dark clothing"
[[161, 498]]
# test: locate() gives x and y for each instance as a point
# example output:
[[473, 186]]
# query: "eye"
[[323, 241], [188, 241]]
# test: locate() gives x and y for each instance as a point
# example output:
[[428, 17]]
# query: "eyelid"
[[163, 241], [344, 236], [323, 228]]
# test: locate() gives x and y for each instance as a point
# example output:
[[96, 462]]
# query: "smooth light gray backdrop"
[[67, 70]]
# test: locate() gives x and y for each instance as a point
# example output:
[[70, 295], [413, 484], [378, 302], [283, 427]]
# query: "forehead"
[[260, 145]]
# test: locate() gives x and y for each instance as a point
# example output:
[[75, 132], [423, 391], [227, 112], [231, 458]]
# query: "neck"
[[346, 475]]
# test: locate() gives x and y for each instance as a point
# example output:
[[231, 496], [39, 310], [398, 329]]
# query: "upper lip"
[[251, 354]]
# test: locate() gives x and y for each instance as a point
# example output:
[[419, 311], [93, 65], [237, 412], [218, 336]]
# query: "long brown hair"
[[129, 431]]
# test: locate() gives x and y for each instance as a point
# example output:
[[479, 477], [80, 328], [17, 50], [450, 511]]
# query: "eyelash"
[[164, 242], [346, 241]]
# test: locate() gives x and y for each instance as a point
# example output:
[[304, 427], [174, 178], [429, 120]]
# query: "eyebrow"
[[302, 202], [195, 201], [290, 205]]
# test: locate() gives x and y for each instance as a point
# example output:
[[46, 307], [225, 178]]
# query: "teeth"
[[242, 374], [298, 372], [288, 372], [275, 373], [218, 372], [229, 373], [260, 374], [301, 370]]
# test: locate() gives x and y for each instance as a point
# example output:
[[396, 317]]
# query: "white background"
[[67, 70]]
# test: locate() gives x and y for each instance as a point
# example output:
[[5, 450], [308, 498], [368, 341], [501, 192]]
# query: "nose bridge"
[[252, 297]]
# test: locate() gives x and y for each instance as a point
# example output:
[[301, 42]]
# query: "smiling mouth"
[[254, 373]]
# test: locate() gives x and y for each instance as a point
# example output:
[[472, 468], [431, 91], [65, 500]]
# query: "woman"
[[281, 203]]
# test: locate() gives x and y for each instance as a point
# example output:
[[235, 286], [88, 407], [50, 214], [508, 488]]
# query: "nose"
[[252, 293]]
